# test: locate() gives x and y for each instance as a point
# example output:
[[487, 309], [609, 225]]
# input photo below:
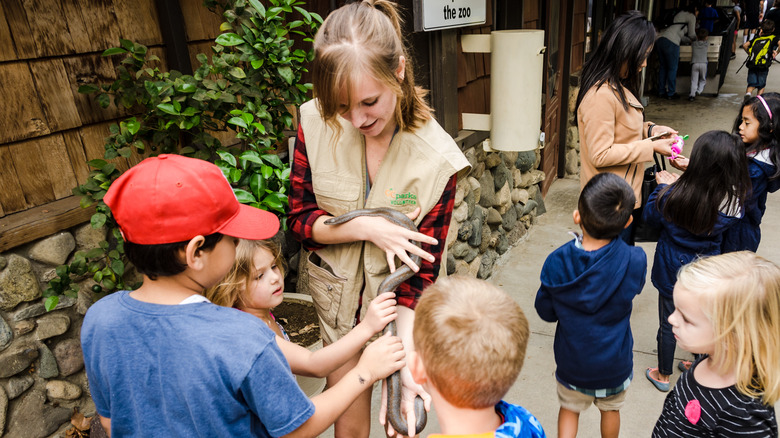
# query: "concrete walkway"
[[518, 274]]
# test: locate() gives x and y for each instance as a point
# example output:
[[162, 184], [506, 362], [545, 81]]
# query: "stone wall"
[[495, 205], [572, 136], [42, 376]]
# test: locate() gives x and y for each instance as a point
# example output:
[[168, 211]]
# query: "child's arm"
[[380, 359], [322, 362], [544, 304], [106, 423]]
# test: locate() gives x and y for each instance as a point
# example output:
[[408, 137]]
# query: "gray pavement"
[[518, 270]]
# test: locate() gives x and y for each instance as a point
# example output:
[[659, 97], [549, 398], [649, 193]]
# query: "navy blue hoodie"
[[589, 294], [746, 234], [676, 245]]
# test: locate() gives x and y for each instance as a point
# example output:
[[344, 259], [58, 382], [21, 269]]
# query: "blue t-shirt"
[[518, 422], [188, 370]]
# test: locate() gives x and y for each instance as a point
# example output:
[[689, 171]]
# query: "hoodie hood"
[[586, 280]]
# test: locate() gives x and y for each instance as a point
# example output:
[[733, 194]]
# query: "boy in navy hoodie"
[[587, 287]]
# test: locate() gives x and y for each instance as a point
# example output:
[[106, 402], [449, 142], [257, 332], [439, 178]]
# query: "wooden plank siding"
[[48, 49], [474, 73]]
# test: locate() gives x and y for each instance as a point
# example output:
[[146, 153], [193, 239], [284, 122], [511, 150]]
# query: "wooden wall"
[[474, 73], [48, 48]]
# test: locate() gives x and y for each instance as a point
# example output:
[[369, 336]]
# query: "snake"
[[389, 284]]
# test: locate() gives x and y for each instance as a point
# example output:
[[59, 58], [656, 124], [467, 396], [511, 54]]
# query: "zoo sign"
[[446, 14]]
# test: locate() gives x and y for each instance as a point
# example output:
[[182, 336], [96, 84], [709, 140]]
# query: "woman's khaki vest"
[[413, 173]]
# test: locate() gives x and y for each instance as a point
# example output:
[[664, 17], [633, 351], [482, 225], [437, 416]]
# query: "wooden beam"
[[174, 35], [444, 80], [23, 227]]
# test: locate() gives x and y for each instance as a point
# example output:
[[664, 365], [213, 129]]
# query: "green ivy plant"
[[249, 86]]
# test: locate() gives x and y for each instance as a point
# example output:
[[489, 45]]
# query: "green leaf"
[[168, 109], [259, 126], [286, 73], [274, 201], [98, 220], [257, 64], [51, 303], [257, 184], [98, 277], [118, 266], [238, 72], [251, 156], [258, 7], [266, 171], [97, 163], [303, 12], [127, 44], [229, 39], [273, 160], [234, 175], [61, 270], [114, 51], [228, 157], [88, 89], [132, 127], [185, 88], [124, 152], [108, 283], [85, 202], [238, 121], [95, 253], [243, 196], [108, 168], [103, 100]]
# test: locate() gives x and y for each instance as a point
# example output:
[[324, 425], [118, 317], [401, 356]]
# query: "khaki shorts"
[[576, 401]]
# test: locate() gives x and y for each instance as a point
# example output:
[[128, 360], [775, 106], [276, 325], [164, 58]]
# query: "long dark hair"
[[768, 127], [716, 180], [625, 42]]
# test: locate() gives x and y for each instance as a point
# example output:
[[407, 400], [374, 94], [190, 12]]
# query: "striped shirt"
[[692, 410]]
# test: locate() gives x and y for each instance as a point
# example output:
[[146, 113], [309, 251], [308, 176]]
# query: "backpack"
[[760, 53]]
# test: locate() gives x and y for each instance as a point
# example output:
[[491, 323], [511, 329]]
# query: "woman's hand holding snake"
[[394, 239]]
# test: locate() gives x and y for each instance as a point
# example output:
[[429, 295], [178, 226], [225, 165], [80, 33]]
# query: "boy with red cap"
[[162, 360]]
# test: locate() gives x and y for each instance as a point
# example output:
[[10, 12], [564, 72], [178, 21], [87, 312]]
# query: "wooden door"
[[555, 102]]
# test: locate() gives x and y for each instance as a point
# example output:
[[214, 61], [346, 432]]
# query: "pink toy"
[[677, 146]]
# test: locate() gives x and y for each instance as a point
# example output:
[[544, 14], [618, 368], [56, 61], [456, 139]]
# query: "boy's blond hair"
[[740, 294], [471, 338], [230, 291]]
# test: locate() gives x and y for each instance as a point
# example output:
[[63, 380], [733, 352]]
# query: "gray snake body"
[[389, 284]]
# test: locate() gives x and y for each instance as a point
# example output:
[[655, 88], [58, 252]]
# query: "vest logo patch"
[[407, 198]]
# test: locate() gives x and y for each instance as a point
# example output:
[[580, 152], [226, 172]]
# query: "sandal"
[[661, 386], [684, 365]]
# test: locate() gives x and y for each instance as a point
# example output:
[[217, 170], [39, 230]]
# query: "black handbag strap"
[[662, 164]]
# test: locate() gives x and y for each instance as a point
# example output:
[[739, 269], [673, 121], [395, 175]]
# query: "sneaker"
[[691, 98], [733, 56], [674, 96]]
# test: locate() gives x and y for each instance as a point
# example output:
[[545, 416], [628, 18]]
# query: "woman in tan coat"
[[614, 137]]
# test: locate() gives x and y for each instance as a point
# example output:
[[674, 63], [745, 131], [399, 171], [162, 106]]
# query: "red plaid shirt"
[[304, 211]]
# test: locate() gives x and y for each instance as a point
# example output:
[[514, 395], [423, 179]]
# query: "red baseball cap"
[[172, 198]]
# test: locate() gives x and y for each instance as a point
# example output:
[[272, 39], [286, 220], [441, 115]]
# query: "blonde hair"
[[230, 291], [471, 338], [740, 294], [359, 39]]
